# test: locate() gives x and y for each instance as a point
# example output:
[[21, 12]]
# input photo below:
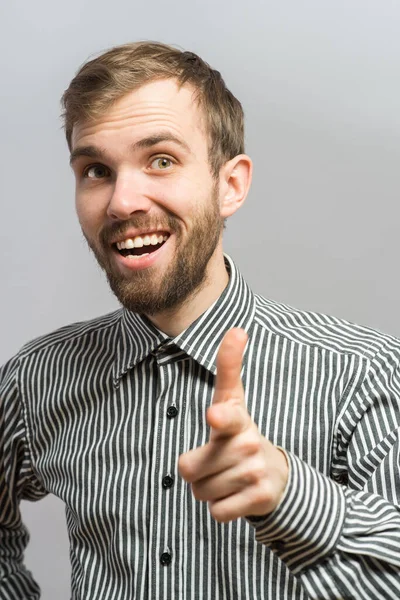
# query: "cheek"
[[90, 214], [183, 196]]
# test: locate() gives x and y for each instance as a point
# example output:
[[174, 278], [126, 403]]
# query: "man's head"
[[109, 77], [156, 144]]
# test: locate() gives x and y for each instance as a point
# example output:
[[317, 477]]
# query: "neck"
[[174, 321]]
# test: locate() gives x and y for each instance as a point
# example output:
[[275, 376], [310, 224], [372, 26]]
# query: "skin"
[[238, 472], [138, 190]]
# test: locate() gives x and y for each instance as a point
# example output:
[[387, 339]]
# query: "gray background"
[[319, 82]]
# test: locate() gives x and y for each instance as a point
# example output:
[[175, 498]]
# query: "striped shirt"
[[98, 413]]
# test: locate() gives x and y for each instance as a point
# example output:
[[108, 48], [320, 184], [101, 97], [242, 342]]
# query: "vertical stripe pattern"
[[97, 413]]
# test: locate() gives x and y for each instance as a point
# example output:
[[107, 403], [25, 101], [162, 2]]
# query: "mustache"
[[120, 228]]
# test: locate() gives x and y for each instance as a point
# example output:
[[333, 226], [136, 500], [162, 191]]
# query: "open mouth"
[[141, 245]]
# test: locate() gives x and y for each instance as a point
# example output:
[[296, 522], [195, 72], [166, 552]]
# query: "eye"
[[161, 163], [96, 172]]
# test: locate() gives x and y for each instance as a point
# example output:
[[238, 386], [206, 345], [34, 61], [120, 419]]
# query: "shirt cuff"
[[307, 523]]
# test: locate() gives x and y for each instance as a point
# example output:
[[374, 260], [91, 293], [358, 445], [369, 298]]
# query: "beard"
[[147, 292]]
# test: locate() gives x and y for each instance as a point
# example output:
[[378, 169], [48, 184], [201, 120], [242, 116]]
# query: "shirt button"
[[340, 478], [165, 559], [172, 411], [167, 481]]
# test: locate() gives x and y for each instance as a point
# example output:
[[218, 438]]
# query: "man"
[[179, 480]]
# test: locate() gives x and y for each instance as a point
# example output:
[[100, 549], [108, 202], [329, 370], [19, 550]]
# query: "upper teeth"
[[139, 241]]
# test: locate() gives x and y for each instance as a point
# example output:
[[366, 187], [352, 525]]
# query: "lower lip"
[[141, 262]]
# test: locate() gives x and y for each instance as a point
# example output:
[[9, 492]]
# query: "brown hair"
[[120, 70]]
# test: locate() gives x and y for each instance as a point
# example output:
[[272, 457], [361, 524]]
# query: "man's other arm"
[[341, 535], [17, 482]]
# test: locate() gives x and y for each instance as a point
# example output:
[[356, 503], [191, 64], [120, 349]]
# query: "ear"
[[235, 180]]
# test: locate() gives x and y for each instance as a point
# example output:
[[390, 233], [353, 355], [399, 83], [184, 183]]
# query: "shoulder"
[[55, 353], [79, 333], [323, 331]]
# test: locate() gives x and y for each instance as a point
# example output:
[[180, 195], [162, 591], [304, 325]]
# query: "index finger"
[[228, 384]]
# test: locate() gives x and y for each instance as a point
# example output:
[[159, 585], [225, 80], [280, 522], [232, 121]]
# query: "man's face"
[[145, 197]]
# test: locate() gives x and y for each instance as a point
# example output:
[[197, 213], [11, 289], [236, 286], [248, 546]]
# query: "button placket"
[[166, 452]]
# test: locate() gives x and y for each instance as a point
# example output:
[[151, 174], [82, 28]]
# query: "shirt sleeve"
[[340, 535], [17, 482]]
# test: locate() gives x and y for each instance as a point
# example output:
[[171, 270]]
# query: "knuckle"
[[254, 471], [218, 514], [196, 491], [186, 468], [261, 495], [259, 468], [249, 443]]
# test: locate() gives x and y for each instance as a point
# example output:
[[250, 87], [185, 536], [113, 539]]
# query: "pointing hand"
[[238, 472]]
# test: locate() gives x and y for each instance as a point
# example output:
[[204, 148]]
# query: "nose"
[[127, 198]]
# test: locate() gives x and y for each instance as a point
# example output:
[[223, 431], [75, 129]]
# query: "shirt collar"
[[234, 308]]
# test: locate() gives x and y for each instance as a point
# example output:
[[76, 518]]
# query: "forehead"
[[154, 107]]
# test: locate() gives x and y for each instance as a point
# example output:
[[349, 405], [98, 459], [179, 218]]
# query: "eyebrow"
[[153, 140], [147, 142], [89, 151]]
